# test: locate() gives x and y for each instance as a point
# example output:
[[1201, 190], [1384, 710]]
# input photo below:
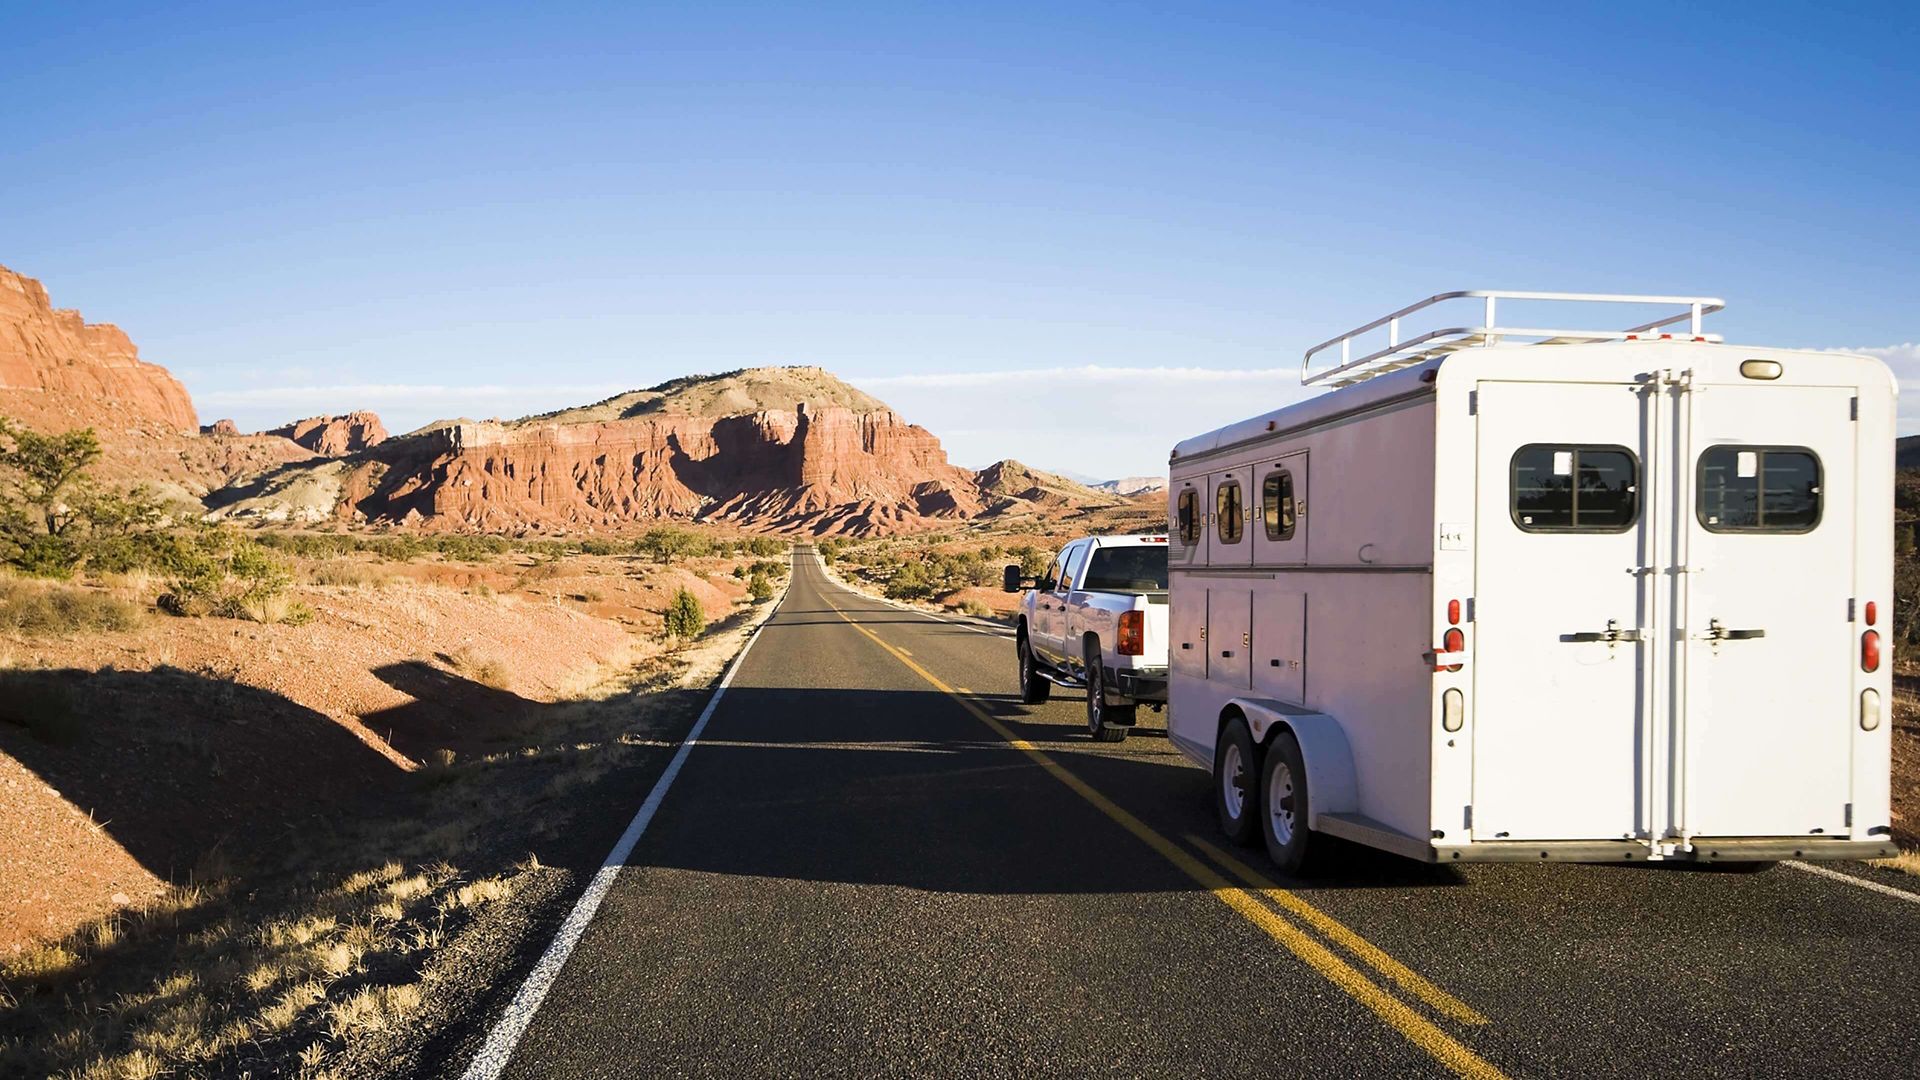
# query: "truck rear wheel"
[[1283, 805], [1033, 686], [1236, 796], [1106, 723]]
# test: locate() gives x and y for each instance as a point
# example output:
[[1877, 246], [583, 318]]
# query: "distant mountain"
[[789, 449], [1133, 485]]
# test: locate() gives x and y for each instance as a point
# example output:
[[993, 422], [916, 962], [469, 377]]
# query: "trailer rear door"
[[1557, 656], [1767, 662]]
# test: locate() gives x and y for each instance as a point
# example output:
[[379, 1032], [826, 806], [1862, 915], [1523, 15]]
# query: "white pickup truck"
[[1097, 619]]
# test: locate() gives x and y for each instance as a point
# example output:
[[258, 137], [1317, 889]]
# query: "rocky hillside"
[[335, 436], [59, 372], [782, 449]]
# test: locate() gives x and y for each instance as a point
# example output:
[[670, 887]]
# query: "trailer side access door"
[[1559, 649]]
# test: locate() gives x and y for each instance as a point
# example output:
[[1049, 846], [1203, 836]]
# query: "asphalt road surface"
[[877, 862]]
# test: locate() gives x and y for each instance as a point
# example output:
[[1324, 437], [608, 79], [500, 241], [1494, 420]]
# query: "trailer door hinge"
[[1473, 402], [1853, 408]]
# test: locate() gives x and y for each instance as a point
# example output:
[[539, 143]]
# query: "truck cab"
[[1096, 619]]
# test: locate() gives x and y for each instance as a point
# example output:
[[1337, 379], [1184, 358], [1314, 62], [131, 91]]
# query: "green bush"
[[760, 589], [233, 577], [740, 572], [685, 618], [909, 582], [46, 555]]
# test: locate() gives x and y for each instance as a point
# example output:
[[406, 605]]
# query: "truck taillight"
[[1454, 642], [1870, 651], [1133, 633]]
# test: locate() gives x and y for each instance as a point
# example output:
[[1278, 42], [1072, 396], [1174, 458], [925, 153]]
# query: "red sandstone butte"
[[335, 436]]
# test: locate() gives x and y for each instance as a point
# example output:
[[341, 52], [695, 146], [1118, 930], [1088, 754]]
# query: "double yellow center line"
[[1404, 1018]]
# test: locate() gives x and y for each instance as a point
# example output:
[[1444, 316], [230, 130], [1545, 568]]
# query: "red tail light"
[[1133, 633], [1870, 651], [1455, 641], [1873, 613], [1453, 612]]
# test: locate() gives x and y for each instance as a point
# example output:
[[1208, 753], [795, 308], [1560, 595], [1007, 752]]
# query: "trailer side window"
[[1575, 488], [1759, 489], [1276, 504], [1230, 522], [1188, 523]]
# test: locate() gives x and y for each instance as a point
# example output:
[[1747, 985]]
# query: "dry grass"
[[485, 670], [350, 574], [45, 607], [1907, 862]]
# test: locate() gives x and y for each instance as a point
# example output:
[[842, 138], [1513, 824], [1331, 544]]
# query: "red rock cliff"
[[59, 372]]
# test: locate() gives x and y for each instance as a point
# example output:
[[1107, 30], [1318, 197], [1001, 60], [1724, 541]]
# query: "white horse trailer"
[[1524, 594]]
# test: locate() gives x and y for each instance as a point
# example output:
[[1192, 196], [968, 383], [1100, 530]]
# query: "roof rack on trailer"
[[1402, 354]]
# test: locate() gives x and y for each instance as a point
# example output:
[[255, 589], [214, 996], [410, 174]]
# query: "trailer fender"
[[1323, 745]]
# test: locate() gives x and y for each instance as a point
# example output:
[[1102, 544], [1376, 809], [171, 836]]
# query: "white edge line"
[[1874, 886], [492, 1059]]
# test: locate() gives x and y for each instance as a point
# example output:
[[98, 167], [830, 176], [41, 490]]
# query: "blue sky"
[[1070, 234]]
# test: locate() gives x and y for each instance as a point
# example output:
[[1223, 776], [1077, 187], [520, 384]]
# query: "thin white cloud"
[[1083, 374]]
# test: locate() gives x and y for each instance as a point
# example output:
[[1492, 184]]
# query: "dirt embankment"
[[300, 821]]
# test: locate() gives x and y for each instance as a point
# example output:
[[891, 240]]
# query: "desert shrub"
[[349, 573], [909, 582], [485, 670], [63, 609], [664, 544], [740, 573], [829, 549], [760, 589], [976, 609], [768, 569], [766, 546], [1033, 561], [685, 619], [597, 546], [45, 555], [233, 577]]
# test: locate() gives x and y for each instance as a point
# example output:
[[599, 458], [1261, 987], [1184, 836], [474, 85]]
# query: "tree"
[[45, 471], [685, 618]]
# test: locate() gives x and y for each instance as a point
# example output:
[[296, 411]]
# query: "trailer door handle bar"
[[1716, 632], [1610, 635]]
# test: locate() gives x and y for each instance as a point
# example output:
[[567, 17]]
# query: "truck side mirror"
[[1010, 581]]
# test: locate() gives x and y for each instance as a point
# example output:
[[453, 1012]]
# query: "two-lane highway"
[[875, 861]]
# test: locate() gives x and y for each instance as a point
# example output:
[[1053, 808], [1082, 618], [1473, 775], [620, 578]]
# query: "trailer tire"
[[1283, 805], [1236, 777], [1034, 686], [1106, 723]]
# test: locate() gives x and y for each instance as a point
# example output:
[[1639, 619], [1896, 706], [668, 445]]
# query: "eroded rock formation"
[[335, 436]]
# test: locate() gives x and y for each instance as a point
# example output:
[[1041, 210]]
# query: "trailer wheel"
[[1106, 723], [1236, 793], [1283, 804], [1033, 686]]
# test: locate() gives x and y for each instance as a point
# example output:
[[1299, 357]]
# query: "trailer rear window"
[[1575, 488], [1276, 504], [1187, 522], [1230, 512], [1759, 489]]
